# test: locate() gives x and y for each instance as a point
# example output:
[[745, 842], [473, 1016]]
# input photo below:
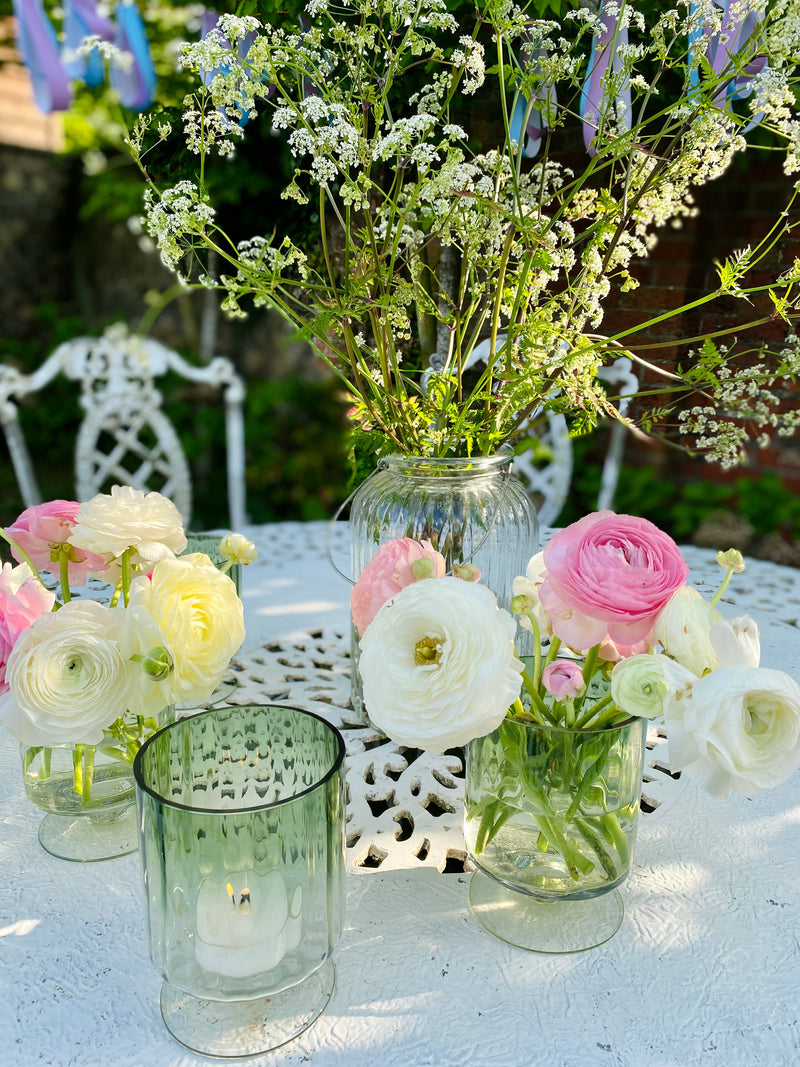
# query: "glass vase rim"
[[336, 763], [496, 460], [629, 720]]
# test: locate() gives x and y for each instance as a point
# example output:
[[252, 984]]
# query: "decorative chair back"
[[546, 466], [125, 437]]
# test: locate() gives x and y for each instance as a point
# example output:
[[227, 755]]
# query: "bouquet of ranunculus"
[[618, 635], [96, 673]]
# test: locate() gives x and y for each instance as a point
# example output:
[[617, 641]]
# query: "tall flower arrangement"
[[84, 672], [433, 251]]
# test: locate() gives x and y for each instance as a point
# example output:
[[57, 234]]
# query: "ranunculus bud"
[[563, 679], [732, 560], [468, 572], [238, 548]]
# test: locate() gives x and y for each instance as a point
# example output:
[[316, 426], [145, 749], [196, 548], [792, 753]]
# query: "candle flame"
[[231, 893]]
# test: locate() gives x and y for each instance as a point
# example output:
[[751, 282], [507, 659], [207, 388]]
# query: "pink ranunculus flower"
[[609, 575], [42, 530], [390, 570], [23, 600], [563, 679]]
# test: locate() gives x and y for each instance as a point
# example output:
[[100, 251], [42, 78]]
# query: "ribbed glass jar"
[[472, 510]]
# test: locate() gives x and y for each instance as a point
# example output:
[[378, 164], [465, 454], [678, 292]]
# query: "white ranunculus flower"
[[148, 523], [438, 664], [195, 615], [683, 628], [640, 685], [738, 728], [737, 642], [67, 677], [528, 585]]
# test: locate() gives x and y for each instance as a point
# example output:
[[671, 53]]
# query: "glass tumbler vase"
[[472, 510], [550, 824], [242, 844], [87, 793]]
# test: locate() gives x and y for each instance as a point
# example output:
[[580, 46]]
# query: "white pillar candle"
[[246, 925]]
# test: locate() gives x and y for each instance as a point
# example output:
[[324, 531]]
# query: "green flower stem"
[[25, 558], [88, 773], [63, 573], [588, 779], [28, 756], [552, 652], [589, 668], [125, 563], [77, 769], [591, 837], [537, 649], [723, 585], [548, 823], [610, 716], [588, 715]]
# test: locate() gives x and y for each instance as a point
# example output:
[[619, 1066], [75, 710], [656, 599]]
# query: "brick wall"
[[735, 211]]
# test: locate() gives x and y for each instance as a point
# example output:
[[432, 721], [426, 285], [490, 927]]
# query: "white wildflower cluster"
[[470, 57], [739, 402], [173, 218]]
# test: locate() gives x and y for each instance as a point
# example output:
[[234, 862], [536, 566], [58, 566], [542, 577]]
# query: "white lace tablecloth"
[[705, 969]]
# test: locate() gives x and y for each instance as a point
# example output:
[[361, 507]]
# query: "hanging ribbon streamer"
[[595, 96], [81, 20], [38, 45], [538, 117], [136, 82], [738, 26]]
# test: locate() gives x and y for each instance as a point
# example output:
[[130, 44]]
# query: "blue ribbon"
[[81, 20], [537, 122], [737, 29], [136, 85]]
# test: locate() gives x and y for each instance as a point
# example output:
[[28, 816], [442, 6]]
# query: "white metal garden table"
[[705, 969]]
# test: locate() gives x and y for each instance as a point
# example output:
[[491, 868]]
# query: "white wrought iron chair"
[[125, 438], [549, 481]]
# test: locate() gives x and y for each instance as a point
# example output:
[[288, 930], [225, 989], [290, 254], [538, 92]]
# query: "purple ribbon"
[[738, 26], [38, 45], [595, 97]]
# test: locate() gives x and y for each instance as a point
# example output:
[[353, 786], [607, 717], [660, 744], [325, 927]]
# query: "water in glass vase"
[[574, 857]]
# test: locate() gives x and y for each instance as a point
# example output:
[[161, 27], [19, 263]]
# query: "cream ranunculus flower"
[[199, 622], [683, 628], [640, 685], [148, 523], [438, 664], [737, 728], [67, 677]]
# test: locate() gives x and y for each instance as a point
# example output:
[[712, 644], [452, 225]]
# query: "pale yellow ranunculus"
[[200, 617]]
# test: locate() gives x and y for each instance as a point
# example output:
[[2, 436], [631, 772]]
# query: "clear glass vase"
[[550, 823], [87, 791], [242, 815], [472, 510]]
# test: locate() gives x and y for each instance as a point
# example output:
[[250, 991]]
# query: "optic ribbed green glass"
[[242, 843]]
